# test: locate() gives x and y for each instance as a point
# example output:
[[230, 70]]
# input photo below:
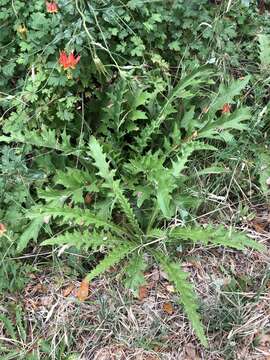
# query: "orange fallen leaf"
[[88, 198], [83, 292], [2, 229], [259, 227], [143, 292], [168, 308], [226, 108], [67, 290]]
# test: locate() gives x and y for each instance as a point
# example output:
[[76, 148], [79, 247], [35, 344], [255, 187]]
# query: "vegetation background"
[[135, 177]]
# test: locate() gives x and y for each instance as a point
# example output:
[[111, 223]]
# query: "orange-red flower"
[[52, 7], [68, 61], [226, 108]]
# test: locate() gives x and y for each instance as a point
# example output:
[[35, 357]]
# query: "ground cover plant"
[[123, 123]]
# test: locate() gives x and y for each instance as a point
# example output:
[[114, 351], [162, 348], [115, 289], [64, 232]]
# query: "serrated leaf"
[[187, 295], [77, 215], [108, 175], [72, 178], [187, 149], [181, 91], [85, 240], [264, 45], [217, 236], [226, 94], [8, 326], [100, 161], [134, 276], [113, 258], [30, 233]]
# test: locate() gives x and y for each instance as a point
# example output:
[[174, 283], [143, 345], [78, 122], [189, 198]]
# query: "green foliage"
[[183, 90], [179, 279], [80, 240], [119, 252], [132, 236], [134, 273], [217, 236], [264, 43], [102, 157], [15, 343], [31, 232], [76, 215], [264, 170]]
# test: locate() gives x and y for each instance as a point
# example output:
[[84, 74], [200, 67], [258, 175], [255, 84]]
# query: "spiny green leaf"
[[8, 326], [45, 138], [72, 178], [231, 121], [264, 45], [134, 277], [77, 215], [114, 185], [181, 91], [187, 295], [215, 235], [187, 149], [100, 161], [85, 240], [31, 232], [125, 206], [226, 94], [113, 258]]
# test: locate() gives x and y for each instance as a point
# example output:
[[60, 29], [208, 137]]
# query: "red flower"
[[52, 7], [68, 61], [226, 109]]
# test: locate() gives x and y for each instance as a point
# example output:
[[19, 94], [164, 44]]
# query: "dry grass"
[[112, 324]]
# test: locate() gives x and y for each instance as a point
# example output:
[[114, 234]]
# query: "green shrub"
[[100, 154]]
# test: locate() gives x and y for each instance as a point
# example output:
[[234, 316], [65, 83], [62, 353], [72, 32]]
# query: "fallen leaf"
[[67, 290], [168, 308], [226, 108], [191, 352], [143, 292], [45, 301], [38, 288], [258, 227], [170, 288], [88, 198], [2, 229], [83, 292]]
